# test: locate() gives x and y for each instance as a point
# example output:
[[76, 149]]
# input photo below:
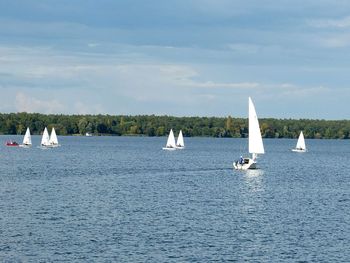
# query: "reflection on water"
[[254, 173], [254, 180]]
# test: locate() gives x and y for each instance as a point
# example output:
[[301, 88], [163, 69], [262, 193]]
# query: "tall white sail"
[[53, 138], [301, 142], [27, 140], [180, 140], [171, 140], [45, 139], [255, 141]]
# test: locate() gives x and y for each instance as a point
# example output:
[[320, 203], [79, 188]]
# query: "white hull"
[[299, 150], [169, 148], [53, 145], [180, 147], [25, 145], [49, 146], [247, 164]]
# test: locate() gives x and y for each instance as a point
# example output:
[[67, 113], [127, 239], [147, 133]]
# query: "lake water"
[[123, 199]]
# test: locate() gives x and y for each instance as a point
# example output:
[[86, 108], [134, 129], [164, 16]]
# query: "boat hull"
[[49, 146], [25, 145], [299, 150], [247, 164], [12, 144], [169, 149]]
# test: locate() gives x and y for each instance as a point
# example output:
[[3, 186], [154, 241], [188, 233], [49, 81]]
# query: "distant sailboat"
[[180, 144], [27, 140], [45, 139], [170, 144], [256, 145], [300, 147], [53, 139]]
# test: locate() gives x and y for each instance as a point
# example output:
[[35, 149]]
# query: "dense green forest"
[[150, 125]]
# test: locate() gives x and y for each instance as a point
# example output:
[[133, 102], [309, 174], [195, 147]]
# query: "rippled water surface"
[[123, 199]]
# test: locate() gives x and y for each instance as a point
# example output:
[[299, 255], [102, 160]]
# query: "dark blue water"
[[123, 199]]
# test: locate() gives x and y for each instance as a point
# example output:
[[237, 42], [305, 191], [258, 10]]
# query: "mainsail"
[[180, 140], [27, 140], [45, 139], [255, 141], [301, 142], [171, 140], [53, 138]]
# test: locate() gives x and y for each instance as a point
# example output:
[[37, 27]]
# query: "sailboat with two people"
[[255, 142], [180, 144], [170, 144], [27, 139], [53, 139], [300, 147]]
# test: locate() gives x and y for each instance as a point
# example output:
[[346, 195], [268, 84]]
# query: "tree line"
[[151, 125]]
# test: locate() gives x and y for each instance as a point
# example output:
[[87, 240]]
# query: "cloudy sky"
[[176, 57]]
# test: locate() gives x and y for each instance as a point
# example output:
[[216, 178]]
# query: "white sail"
[[27, 140], [180, 140], [53, 138], [45, 139], [301, 142], [171, 140], [255, 141]]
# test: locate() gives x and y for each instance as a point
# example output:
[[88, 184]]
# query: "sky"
[[176, 57]]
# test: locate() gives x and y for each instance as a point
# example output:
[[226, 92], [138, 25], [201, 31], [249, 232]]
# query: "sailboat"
[[53, 139], [45, 139], [256, 145], [180, 144], [27, 140], [300, 147], [170, 144]]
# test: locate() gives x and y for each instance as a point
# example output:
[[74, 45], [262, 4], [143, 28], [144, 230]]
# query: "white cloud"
[[330, 23], [25, 103], [211, 84], [84, 108]]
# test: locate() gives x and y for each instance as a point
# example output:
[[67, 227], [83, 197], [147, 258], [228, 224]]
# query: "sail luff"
[[255, 140]]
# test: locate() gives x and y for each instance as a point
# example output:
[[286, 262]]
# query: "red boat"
[[12, 143]]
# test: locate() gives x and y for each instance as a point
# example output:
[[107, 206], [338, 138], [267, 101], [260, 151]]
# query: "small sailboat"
[[300, 147], [27, 140], [256, 145], [53, 139], [170, 144], [45, 139], [180, 144]]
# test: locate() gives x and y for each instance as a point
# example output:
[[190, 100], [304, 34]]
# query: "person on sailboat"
[[241, 160]]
